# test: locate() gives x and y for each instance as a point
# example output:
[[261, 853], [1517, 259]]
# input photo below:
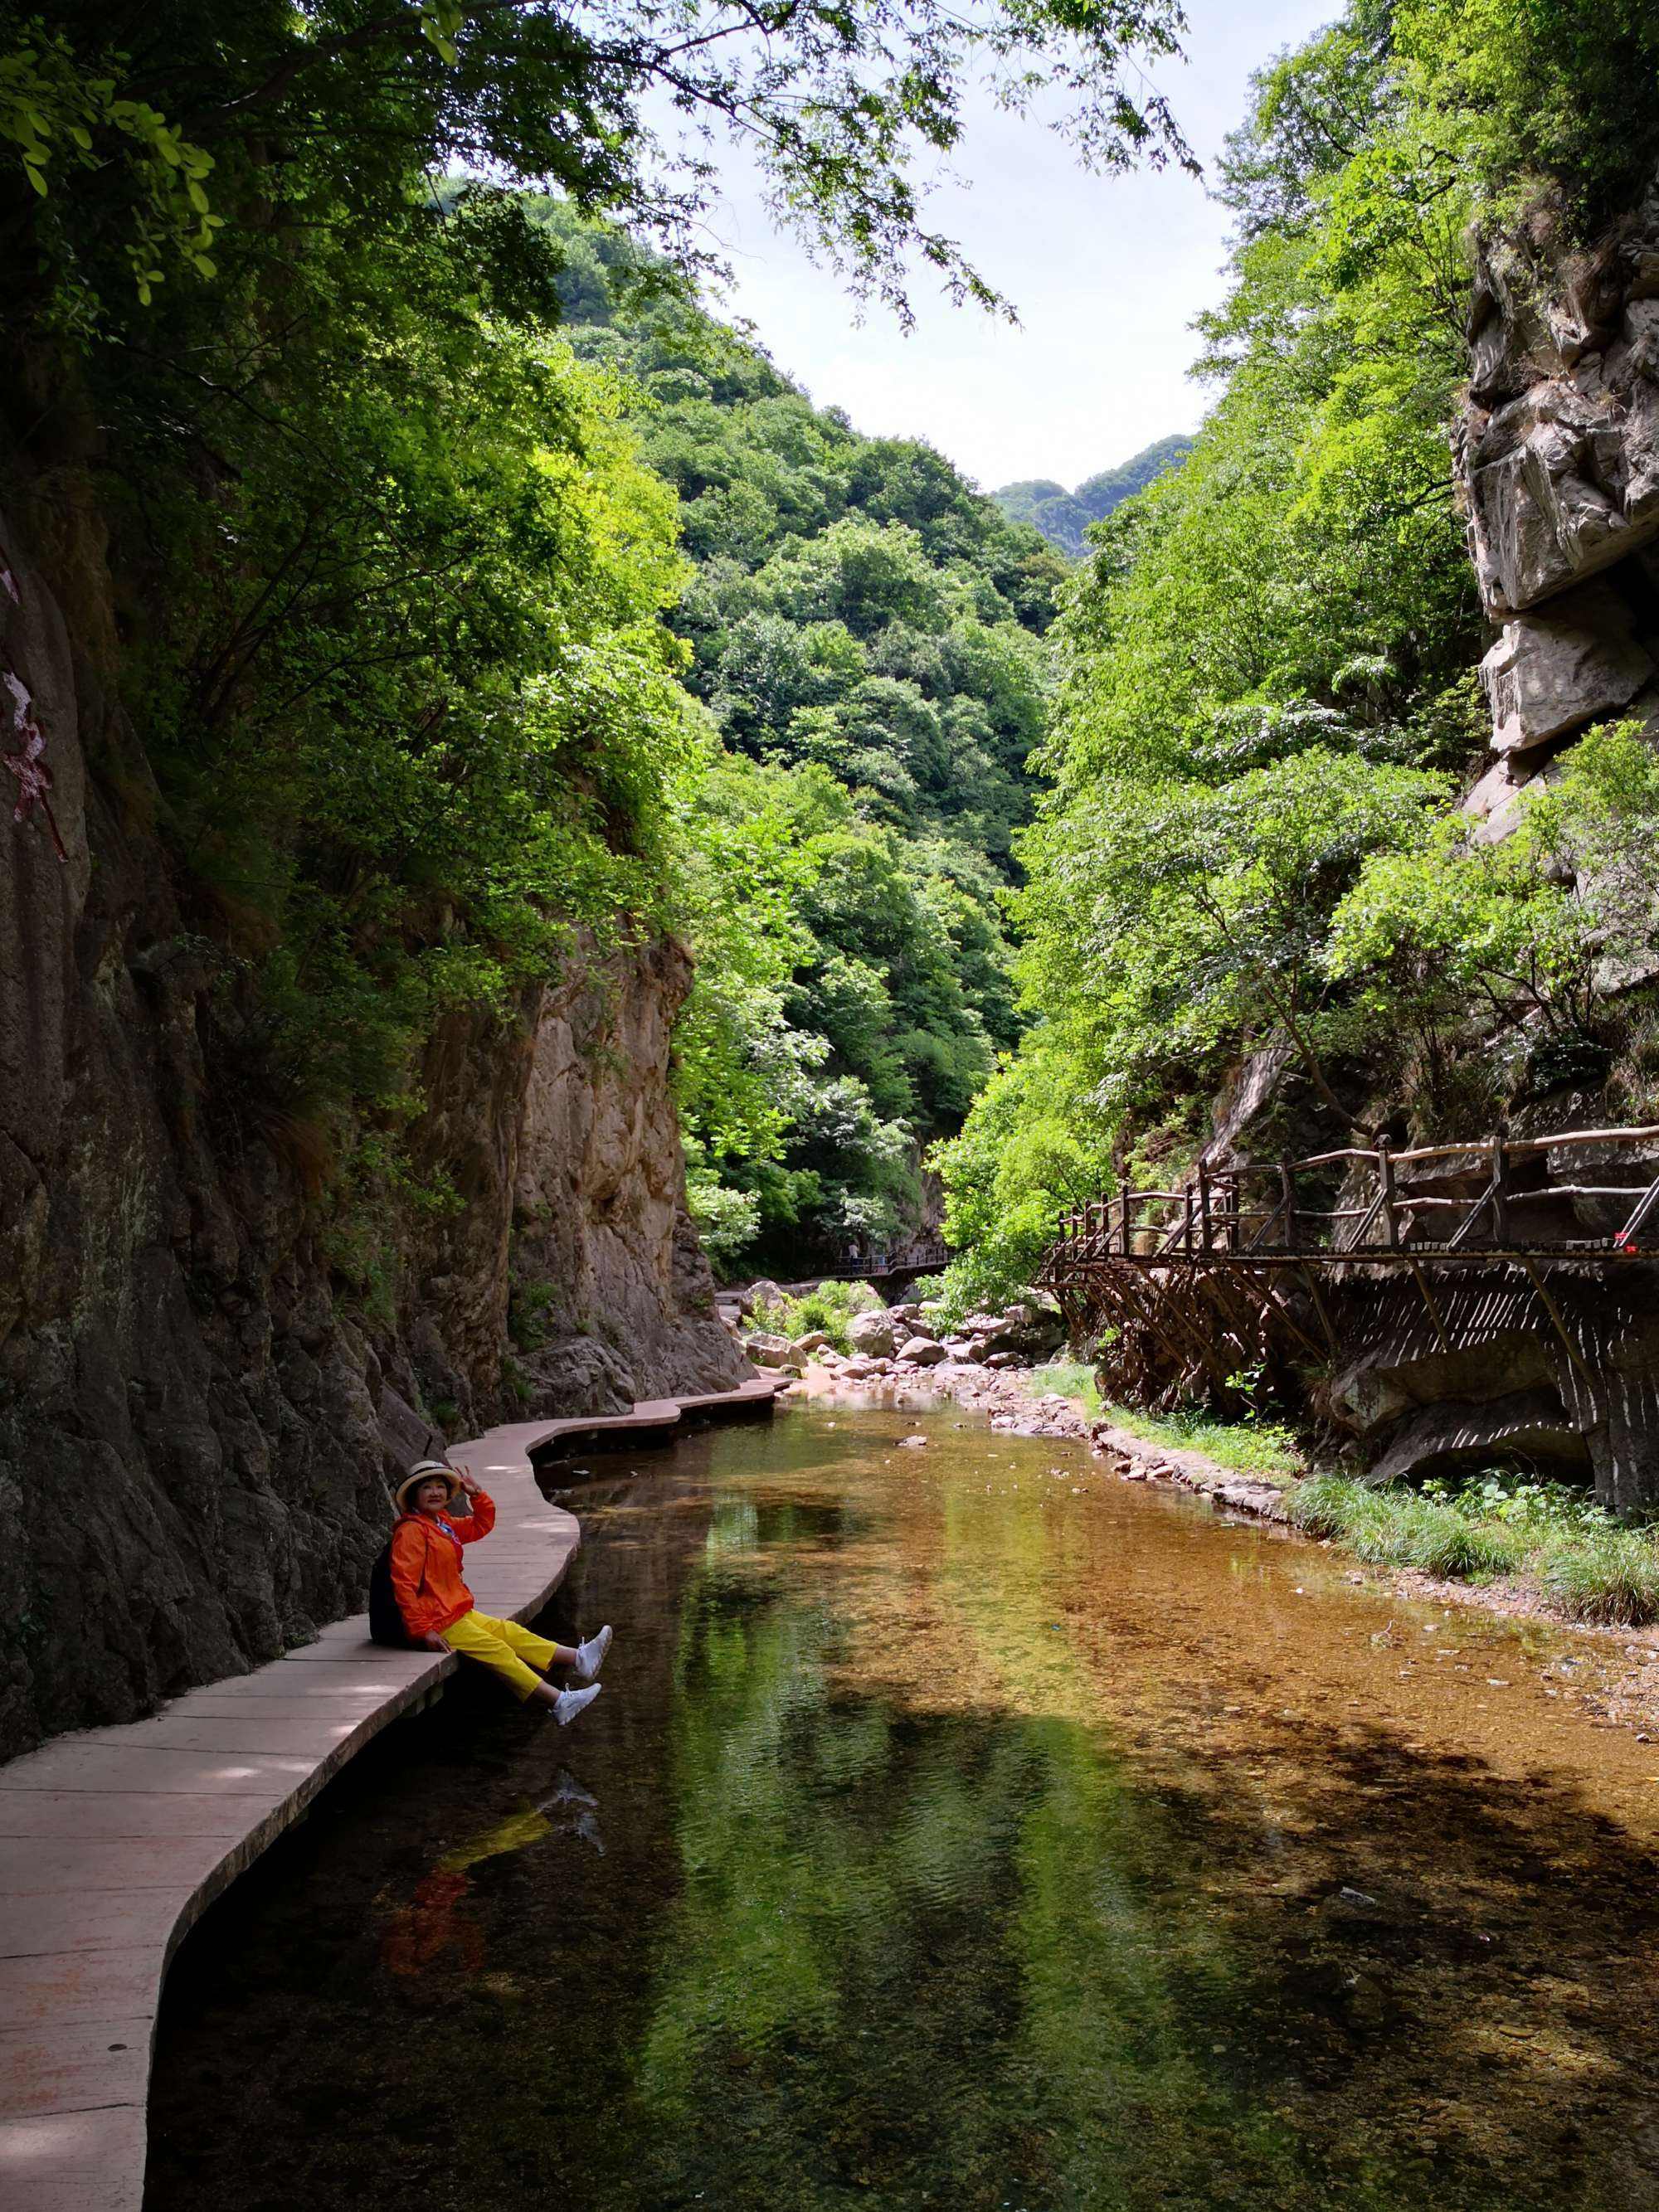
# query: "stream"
[[958, 1826]]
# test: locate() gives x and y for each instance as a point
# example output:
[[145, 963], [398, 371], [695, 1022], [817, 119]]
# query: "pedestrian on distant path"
[[437, 1606]]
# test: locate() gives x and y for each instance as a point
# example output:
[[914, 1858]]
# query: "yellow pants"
[[502, 1646]]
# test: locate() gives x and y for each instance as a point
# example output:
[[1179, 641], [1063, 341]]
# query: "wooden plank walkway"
[[114, 1841]]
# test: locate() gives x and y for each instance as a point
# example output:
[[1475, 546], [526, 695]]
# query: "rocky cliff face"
[[197, 1415], [1558, 463], [611, 1296]]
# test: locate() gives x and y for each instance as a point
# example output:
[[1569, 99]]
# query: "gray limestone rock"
[[405, 1435], [1495, 803], [1557, 447], [1561, 667], [1444, 1437], [767, 1350]]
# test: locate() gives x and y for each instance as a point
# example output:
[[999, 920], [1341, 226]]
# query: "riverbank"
[[1014, 1405], [1625, 1691]]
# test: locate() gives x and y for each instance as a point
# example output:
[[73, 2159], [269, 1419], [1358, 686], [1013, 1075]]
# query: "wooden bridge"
[[1245, 1244]]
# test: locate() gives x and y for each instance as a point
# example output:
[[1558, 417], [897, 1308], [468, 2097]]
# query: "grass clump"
[[1068, 1379], [831, 1307], [1590, 1565], [1399, 1527], [1250, 1447], [1610, 1576]]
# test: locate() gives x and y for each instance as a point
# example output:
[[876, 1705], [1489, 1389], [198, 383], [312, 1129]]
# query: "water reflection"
[[976, 1832], [435, 1932]]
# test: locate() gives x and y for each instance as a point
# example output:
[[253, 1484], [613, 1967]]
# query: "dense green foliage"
[[392, 582], [1063, 517], [140, 132], [475, 588], [1267, 688], [391, 575], [864, 636], [831, 1308]]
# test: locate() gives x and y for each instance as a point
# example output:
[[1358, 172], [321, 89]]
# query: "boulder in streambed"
[[1033, 1330], [873, 1332], [922, 1351], [768, 1351]]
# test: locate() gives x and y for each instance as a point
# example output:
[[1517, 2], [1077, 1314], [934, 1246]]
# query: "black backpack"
[[385, 1618]]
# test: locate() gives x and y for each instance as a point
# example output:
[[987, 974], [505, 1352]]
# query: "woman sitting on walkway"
[[437, 1606]]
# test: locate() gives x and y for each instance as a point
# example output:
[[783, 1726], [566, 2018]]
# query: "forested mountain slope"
[[865, 635], [1276, 839], [1063, 517], [362, 808]]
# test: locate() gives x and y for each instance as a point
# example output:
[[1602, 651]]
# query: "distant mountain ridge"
[[1063, 516]]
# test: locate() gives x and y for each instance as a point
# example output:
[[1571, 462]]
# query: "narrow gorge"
[[828, 1303]]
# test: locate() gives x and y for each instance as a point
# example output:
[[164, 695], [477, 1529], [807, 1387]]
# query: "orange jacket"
[[426, 1565]]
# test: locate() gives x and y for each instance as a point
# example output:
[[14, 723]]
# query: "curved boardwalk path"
[[114, 1841]]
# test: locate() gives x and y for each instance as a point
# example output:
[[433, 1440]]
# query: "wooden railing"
[[1356, 1206]]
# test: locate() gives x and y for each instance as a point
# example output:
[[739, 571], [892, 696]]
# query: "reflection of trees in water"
[[935, 1870], [953, 1946], [1465, 2040], [912, 1951]]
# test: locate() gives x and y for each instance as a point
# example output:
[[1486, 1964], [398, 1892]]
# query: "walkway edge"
[[114, 1841]]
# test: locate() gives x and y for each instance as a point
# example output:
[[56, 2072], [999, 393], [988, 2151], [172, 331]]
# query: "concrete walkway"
[[114, 1841]]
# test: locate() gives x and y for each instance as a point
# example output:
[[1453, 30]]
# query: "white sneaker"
[[590, 1656], [569, 1703]]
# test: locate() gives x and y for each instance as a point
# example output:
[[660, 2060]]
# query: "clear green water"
[[958, 1827]]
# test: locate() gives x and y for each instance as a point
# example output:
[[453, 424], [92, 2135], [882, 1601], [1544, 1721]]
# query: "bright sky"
[[1106, 274]]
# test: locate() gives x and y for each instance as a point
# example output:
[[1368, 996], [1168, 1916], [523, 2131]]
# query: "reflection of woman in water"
[[437, 1606], [423, 1930]]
